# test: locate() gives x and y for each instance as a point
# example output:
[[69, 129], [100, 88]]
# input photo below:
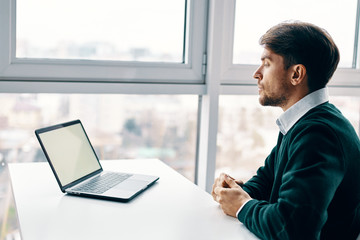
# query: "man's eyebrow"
[[265, 57]]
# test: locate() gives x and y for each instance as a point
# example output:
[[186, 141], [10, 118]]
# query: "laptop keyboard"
[[102, 183]]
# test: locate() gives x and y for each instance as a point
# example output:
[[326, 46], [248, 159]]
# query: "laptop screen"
[[70, 152]]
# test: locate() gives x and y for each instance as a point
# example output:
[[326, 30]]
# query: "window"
[[119, 126], [247, 133], [106, 30], [112, 41], [264, 14], [247, 21]]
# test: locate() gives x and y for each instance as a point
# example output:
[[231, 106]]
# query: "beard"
[[274, 101], [278, 98]]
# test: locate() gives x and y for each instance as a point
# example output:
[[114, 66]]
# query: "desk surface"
[[173, 208]]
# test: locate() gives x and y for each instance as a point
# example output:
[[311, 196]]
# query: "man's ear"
[[298, 74]]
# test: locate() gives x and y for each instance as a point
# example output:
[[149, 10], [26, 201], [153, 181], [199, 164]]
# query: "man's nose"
[[257, 74]]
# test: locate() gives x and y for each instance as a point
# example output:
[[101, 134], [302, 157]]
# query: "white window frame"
[[52, 70]]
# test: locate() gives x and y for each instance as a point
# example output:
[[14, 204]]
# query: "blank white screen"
[[70, 153]]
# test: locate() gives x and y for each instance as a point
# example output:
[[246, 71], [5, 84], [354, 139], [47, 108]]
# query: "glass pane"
[[136, 30], [248, 132], [119, 127], [254, 18]]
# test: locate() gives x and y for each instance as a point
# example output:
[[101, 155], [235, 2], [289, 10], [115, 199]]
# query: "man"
[[309, 186]]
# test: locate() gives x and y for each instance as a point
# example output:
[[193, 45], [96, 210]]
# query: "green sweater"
[[309, 186]]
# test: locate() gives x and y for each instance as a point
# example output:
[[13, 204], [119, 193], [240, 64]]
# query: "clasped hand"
[[228, 193]]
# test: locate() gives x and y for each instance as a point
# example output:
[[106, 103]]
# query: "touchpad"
[[131, 184]]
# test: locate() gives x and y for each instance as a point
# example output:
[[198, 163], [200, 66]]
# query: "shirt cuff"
[[241, 207]]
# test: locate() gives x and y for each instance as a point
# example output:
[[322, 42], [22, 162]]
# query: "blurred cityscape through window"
[[118, 126]]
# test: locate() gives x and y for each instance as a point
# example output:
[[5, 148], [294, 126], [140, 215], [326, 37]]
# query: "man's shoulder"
[[324, 114], [325, 119]]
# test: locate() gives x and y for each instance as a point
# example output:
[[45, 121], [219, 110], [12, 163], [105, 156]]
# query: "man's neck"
[[297, 95], [287, 119]]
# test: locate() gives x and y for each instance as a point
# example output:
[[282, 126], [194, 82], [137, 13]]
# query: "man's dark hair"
[[306, 44]]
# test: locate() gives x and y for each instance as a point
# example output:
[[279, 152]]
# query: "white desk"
[[173, 208]]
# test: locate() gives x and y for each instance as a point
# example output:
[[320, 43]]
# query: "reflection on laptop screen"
[[70, 152]]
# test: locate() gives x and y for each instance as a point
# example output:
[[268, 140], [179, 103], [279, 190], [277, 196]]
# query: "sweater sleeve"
[[310, 177]]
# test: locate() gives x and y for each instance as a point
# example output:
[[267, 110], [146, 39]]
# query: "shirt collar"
[[299, 109]]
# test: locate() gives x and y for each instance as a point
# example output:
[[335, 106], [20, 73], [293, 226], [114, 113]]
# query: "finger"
[[218, 181], [216, 191], [222, 180], [219, 190], [227, 175], [231, 182], [213, 192], [239, 182]]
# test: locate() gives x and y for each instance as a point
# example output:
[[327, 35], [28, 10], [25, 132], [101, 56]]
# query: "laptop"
[[77, 168]]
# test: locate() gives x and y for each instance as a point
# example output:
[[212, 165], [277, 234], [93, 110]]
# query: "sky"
[[126, 24]]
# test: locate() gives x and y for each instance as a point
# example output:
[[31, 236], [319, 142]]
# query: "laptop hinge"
[[80, 180]]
